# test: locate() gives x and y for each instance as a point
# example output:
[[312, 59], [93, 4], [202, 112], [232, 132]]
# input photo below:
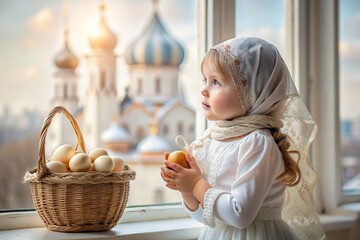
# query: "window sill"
[[150, 222], [186, 228], [353, 208], [157, 222], [337, 222]]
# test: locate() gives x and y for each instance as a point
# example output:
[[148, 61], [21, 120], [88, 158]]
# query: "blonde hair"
[[292, 174], [215, 59]]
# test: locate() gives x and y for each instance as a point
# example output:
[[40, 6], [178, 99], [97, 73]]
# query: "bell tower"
[[100, 102]]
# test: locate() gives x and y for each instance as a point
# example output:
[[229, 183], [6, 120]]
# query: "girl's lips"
[[205, 106]]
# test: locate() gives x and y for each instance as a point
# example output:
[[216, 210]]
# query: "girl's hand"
[[180, 178], [166, 177]]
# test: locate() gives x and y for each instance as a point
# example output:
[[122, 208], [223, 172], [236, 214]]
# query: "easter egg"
[[104, 164], [80, 163], [179, 158], [118, 164], [56, 166], [97, 152], [63, 154]]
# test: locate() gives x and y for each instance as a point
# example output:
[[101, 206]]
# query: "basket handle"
[[42, 170]]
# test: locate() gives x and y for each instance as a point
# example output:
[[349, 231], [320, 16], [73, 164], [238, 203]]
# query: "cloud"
[[42, 21], [350, 50]]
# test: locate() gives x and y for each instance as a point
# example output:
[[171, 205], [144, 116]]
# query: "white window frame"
[[302, 58], [313, 60], [325, 106]]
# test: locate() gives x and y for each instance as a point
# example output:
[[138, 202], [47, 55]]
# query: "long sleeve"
[[259, 164], [197, 214]]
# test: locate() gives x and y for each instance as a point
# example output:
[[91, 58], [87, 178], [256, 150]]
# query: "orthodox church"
[[152, 111], [138, 126]]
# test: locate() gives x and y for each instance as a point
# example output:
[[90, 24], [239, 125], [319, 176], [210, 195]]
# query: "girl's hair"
[[214, 57], [292, 174]]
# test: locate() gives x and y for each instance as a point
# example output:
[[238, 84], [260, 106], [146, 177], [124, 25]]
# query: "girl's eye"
[[204, 81], [216, 83]]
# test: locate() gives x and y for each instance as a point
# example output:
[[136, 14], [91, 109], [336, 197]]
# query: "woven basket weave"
[[77, 201]]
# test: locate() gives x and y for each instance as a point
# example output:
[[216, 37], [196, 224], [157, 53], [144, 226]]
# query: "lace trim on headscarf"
[[233, 65]]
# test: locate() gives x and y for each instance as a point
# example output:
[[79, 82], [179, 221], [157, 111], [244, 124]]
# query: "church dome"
[[155, 46], [115, 133], [66, 59], [152, 144], [100, 36]]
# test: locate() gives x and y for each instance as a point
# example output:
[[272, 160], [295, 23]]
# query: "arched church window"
[[165, 129], [180, 128], [57, 91], [191, 130], [65, 91], [139, 86], [140, 134], [126, 127], [74, 90], [157, 85], [102, 78]]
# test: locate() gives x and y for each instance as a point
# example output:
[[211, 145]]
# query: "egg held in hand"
[[179, 158]]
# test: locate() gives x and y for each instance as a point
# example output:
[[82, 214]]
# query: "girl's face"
[[220, 98]]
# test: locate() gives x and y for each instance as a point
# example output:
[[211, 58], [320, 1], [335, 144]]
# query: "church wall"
[[176, 116], [134, 120], [143, 84], [98, 112]]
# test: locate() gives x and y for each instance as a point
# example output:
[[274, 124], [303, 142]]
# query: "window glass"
[[263, 19], [349, 61], [47, 44]]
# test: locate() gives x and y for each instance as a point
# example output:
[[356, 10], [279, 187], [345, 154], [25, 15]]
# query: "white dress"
[[246, 199]]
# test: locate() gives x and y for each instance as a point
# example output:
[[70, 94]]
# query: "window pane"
[[349, 51], [263, 19], [104, 64]]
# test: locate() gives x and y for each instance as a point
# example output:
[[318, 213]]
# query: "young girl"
[[254, 152]]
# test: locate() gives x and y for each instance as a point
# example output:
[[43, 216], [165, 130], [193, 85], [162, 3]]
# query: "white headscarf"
[[270, 99]]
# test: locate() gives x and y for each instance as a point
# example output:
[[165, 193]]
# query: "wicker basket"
[[77, 201]]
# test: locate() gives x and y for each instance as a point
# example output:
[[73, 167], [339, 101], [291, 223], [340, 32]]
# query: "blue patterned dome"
[[155, 47]]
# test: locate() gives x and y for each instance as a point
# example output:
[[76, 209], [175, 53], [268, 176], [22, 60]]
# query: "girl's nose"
[[204, 92]]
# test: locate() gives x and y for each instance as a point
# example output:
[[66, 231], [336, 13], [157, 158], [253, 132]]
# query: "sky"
[[32, 36], [267, 23]]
